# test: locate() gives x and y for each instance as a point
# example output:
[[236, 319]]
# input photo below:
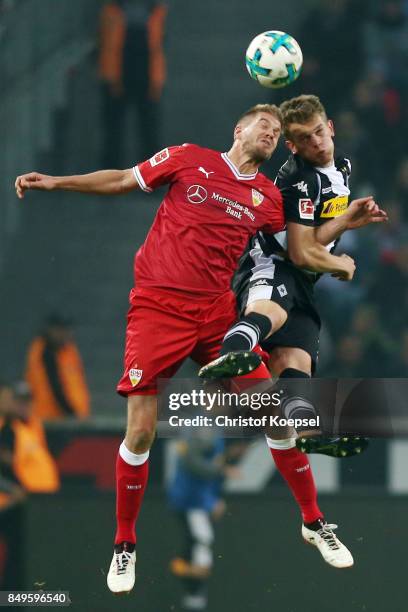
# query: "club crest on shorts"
[[135, 376], [257, 198]]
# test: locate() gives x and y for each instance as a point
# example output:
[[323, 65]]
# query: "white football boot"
[[328, 544], [121, 576]]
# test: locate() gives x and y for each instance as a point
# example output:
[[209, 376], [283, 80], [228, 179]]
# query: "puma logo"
[[207, 174]]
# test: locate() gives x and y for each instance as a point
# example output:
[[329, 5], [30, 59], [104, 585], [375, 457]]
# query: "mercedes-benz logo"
[[196, 194]]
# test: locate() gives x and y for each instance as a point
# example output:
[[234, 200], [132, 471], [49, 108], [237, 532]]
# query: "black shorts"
[[262, 277]]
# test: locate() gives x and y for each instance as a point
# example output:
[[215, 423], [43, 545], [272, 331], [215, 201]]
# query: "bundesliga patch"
[[135, 376], [257, 198], [335, 207], [306, 209], [160, 157], [282, 290]]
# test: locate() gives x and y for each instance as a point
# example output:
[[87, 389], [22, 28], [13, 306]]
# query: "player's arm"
[[306, 252], [103, 182], [303, 248], [361, 212]]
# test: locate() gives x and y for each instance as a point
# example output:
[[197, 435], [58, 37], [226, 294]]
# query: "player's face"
[[313, 141], [259, 136]]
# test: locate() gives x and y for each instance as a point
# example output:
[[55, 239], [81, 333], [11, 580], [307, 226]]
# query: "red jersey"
[[205, 220]]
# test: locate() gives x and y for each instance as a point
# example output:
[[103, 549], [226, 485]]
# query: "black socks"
[[247, 333]]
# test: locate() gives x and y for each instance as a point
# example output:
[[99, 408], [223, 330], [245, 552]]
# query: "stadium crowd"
[[366, 328]]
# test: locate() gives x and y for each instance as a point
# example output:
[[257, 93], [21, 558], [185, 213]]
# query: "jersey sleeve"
[[161, 168], [299, 192]]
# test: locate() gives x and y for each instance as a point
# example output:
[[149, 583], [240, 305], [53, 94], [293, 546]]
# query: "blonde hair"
[[300, 110], [271, 109]]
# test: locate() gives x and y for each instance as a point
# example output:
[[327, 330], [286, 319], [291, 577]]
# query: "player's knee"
[[141, 424], [276, 314], [139, 438]]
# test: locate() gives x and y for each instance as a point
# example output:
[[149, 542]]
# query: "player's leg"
[[295, 468], [297, 364], [261, 319], [294, 353], [132, 464], [265, 295], [196, 569], [294, 465], [218, 317], [289, 460], [158, 339], [132, 468], [293, 366]]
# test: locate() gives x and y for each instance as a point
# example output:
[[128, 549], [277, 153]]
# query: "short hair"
[[271, 109], [300, 110]]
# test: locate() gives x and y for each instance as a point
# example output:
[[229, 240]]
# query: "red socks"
[[261, 372], [239, 384], [295, 469], [131, 481]]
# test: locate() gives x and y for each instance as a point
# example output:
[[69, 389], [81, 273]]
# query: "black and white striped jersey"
[[311, 196]]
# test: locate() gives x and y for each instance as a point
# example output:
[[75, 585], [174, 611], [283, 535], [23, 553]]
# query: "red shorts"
[[164, 329]]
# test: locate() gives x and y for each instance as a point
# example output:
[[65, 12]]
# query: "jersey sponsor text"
[[335, 207]]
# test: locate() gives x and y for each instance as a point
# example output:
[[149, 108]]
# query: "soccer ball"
[[274, 59]]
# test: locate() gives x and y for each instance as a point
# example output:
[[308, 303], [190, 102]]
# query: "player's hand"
[[349, 267], [364, 211], [33, 180]]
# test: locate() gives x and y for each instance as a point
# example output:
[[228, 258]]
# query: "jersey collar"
[[236, 172]]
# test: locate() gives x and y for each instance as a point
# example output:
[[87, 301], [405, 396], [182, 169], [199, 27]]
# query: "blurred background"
[[77, 77]]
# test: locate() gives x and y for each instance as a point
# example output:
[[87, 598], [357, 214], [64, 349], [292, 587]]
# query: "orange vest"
[[5, 499], [33, 464], [112, 38], [72, 378]]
